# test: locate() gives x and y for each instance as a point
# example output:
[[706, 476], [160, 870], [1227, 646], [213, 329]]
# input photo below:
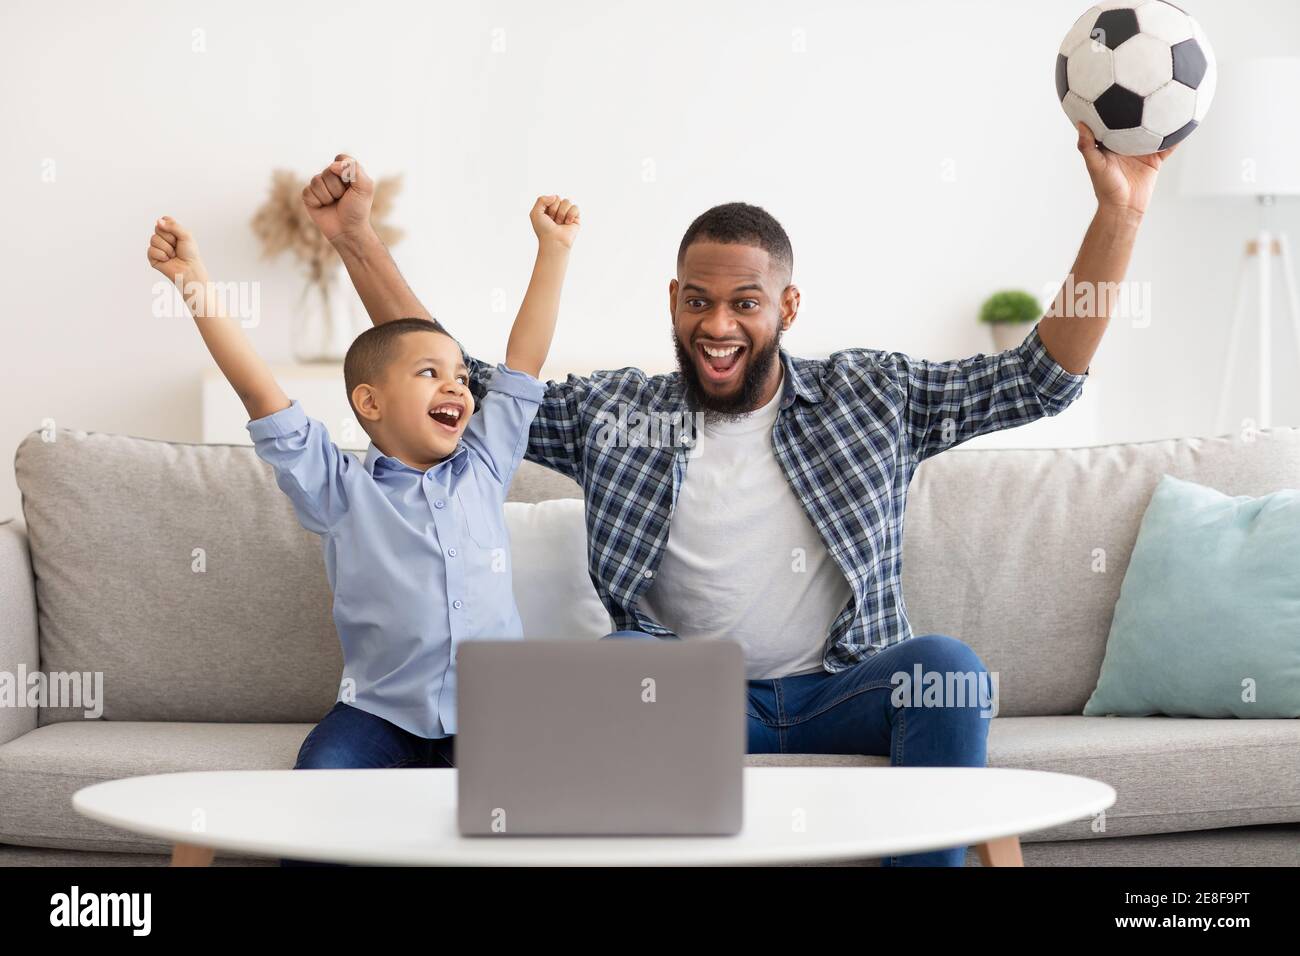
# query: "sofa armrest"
[[18, 647]]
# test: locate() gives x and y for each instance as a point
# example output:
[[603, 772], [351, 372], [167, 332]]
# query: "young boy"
[[414, 538]]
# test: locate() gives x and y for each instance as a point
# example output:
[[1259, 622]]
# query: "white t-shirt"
[[742, 560]]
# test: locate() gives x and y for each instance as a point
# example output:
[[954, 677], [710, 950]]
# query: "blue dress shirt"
[[418, 561]]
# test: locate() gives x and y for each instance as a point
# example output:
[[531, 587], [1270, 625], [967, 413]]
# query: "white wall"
[[846, 143]]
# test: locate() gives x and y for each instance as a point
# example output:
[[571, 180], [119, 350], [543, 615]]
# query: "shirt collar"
[[458, 460], [799, 381]]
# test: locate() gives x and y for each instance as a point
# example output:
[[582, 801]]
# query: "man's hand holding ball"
[[1123, 183]]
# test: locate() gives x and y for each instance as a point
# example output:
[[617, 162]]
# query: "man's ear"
[[789, 307], [672, 300], [366, 402]]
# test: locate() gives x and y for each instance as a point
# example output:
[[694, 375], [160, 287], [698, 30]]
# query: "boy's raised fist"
[[174, 253], [555, 219]]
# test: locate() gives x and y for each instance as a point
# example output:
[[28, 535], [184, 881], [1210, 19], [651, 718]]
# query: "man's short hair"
[[738, 222], [371, 351]]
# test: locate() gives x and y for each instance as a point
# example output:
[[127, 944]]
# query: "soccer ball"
[[1139, 73]]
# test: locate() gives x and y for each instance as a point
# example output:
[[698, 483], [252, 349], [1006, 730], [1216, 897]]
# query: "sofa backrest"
[[180, 572], [176, 571]]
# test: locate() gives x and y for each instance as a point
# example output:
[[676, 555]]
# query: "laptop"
[[619, 737]]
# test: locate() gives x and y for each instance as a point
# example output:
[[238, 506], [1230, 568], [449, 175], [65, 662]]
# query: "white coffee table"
[[408, 817]]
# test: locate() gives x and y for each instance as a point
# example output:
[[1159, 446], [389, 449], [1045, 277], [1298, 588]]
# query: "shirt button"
[[439, 503], [457, 605], [648, 573], [451, 552]]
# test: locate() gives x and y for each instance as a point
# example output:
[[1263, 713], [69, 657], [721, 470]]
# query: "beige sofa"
[[179, 573]]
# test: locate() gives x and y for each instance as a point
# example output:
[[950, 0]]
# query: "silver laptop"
[[614, 737]]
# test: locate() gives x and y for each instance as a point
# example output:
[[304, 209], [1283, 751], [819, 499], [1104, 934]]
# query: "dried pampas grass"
[[282, 223]]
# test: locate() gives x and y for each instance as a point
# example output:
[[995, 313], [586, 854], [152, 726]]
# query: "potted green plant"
[[1010, 314]]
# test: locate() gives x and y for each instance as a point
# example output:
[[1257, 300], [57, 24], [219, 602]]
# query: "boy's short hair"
[[372, 350]]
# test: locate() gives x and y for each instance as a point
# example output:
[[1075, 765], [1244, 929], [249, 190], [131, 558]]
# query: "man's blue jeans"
[[851, 712]]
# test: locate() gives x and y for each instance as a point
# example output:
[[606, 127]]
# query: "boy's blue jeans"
[[350, 738], [850, 712]]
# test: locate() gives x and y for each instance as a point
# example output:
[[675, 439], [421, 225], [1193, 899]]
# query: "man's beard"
[[758, 365]]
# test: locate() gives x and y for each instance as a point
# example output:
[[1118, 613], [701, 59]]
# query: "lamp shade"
[[1249, 144]]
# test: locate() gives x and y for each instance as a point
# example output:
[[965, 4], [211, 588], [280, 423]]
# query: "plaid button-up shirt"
[[850, 432]]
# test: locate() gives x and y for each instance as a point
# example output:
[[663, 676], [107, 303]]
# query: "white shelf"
[[319, 388]]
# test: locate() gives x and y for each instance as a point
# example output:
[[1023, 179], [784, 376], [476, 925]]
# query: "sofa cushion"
[[1208, 618], [180, 573], [40, 771], [1171, 774], [1020, 553], [548, 546]]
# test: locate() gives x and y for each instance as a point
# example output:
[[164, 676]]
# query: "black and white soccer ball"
[[1139, 73]]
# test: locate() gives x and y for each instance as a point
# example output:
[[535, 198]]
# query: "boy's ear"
[[366, 402]]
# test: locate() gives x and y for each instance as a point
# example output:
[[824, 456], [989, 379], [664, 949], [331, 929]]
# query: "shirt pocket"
[[484, 520]]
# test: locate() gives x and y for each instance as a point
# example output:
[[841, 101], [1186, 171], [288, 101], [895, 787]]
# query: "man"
[[785, 531]]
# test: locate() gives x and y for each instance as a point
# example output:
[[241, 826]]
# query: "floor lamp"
[[1250, 147]]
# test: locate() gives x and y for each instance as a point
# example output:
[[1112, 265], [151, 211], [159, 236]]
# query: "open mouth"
[[720, 361], [447, 416]]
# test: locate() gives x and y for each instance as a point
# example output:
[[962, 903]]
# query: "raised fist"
[[339, 197]]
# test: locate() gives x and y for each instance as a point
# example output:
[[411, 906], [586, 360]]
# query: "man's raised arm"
[[1123, 186], [338, 199]]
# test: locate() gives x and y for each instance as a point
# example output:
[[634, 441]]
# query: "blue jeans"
[[350, 738], [851, 712]]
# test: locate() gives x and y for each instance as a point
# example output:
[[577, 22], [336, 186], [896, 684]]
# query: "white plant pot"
[[327, 319], [1007, 335]]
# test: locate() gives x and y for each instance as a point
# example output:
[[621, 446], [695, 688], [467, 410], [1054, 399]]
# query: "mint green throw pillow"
[[1208, 618]]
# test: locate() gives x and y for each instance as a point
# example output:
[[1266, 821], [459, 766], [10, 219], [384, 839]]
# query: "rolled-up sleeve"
[[948, 403], [309, 468], [498, 430], [1056, 387]]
